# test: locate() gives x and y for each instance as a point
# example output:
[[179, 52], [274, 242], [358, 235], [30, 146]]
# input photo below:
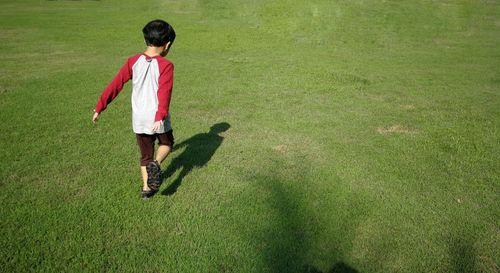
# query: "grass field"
[[362, 136]]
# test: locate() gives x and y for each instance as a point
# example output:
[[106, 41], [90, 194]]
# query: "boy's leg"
[[162, 153], [166, 143], [146, 146], [144, 175]]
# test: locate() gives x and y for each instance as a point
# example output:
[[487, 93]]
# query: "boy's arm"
[[114, 87], [165, 84]]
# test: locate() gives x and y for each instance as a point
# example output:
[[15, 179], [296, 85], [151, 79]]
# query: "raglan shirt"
[[152, 81]]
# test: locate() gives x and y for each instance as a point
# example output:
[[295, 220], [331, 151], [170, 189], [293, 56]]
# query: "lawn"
[[312, 137]]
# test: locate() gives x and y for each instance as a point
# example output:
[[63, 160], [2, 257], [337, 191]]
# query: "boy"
[[152, 80]]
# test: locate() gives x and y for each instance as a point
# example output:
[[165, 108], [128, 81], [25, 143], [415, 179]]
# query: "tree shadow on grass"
[[199, 150], [463, 255], [288, 241], [339, 267]]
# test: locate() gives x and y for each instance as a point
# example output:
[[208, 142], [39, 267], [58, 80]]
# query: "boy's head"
[[158, 33]]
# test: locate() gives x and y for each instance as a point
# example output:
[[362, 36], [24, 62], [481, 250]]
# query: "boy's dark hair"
[[158, 33]]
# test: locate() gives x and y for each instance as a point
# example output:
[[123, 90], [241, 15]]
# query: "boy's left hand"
[[95, 117], [156, 126]]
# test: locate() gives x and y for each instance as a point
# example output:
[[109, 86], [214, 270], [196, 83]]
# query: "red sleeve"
[[116, 85], [165, 84]]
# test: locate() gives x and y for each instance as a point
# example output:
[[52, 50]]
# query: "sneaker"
[[147, 194], [154, 175]]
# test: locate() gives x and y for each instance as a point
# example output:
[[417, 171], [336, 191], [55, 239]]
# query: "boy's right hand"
[[95, 117]]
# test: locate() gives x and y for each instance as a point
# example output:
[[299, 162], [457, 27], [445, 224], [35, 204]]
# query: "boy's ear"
[[166, 49]]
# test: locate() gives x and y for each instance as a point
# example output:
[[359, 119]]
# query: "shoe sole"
[[154, 176]]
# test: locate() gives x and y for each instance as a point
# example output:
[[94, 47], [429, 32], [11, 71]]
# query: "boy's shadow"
[[199, 150]]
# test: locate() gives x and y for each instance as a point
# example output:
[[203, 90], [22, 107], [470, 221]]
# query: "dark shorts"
[[147, 144]]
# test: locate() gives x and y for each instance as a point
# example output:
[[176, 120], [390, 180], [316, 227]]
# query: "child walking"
[[152, 80]]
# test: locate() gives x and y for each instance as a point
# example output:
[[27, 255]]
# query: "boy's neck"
[[152, 51]]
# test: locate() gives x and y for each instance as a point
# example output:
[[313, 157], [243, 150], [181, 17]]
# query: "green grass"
[[364, 137]]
